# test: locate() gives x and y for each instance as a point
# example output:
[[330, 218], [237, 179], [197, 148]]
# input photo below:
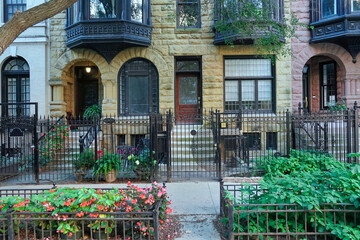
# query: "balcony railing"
[[336, 22], [109, 26], [228, 11]]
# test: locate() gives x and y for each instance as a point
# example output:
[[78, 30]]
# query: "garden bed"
[[304, 196], [71, 213], [282, 221]]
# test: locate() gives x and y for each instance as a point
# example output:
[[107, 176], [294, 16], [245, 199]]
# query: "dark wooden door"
[[188, 98]]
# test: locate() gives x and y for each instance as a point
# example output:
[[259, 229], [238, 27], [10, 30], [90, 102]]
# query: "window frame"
[[124, 105], [6, 7], [239, 79], [178, 4], [321, 65], [18, 74]]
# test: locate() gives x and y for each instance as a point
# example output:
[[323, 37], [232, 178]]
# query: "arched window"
[[16, 86], [138, 87]]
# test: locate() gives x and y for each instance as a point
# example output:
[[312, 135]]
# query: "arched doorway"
[[138, 88], [83, 88], [322, 85], [15, 86]]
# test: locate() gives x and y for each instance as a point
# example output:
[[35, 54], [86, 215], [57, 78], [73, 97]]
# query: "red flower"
[[134, 201]]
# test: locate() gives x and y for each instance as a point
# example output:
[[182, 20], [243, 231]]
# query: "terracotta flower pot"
[[110, 176]]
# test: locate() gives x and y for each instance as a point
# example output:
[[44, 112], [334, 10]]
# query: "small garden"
[[307, 195], [79, 213], [127, 162]]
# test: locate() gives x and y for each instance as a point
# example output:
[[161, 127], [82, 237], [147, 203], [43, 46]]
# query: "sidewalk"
[[196, 204]]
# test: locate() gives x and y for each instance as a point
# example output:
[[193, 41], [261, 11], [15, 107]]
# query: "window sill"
[[187, 30]]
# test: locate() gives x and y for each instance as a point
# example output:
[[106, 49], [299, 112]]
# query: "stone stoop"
[[192, 147]]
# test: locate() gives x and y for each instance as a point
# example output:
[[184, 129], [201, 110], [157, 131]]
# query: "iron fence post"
[[356, 133], [153, 141], [156, 221], [231, 220], [81, 144], [348, 134], [218, 154], [96, 149], [288, 132], [168, 136], [9, 217], [326, 129], [36, 146]]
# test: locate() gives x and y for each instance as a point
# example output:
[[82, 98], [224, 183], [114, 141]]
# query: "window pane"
[[139, 94], [136, 10], [188, 90], [248, 94], [328, 8], [188, 14], [355, 5], [187, 65], [264, 92], [102, 9], [247, 67], [231, 91]]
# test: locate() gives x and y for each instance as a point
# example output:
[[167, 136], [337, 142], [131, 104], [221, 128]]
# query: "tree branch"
[[23, 20]]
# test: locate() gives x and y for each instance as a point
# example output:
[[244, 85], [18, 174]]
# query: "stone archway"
[[63, 74], [314, 54]]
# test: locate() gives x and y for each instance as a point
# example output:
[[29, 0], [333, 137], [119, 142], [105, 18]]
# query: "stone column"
[[109, 104], [57, 103]]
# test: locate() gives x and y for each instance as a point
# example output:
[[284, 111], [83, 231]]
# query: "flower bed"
[[307, 201], [128, 213]]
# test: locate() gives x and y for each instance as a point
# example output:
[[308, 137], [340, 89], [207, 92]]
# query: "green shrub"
[[308, 180]]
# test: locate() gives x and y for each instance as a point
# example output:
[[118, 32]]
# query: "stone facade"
[[167, 43], [348, 81], [33, 46]]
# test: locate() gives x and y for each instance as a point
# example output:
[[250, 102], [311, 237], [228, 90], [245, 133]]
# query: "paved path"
[[196, 204]]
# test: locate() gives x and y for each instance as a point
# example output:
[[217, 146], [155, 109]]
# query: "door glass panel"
[[102, 9], [188, 90], [187, 65], [139, 94]]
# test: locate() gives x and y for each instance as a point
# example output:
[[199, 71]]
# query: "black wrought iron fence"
[[281, 221], [210, 145]]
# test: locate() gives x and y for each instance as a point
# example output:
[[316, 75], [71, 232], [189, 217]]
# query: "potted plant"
[[93, 112], [84, 163], [142, 163], [107, 164]]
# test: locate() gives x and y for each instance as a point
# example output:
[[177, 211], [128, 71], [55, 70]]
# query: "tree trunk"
[[23, 20]]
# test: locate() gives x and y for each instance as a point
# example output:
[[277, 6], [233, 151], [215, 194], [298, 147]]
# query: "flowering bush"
[[51, 142], [94, 203], [142, 163]]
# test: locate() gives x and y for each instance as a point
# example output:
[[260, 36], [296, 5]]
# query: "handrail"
[[86, 140], [51, 128]]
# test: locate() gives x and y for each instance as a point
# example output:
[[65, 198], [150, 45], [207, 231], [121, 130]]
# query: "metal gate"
[[198, 146], [18, 141]]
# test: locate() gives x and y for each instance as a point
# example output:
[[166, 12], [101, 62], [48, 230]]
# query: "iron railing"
[[210, 145], [279, 221]]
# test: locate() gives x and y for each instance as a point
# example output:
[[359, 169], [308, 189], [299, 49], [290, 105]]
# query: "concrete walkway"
[[196, 204]]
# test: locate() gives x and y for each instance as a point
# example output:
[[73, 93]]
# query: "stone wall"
[[167, 43]]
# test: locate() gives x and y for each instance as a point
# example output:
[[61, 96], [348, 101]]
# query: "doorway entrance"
[[188, 90], [86, 88]]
